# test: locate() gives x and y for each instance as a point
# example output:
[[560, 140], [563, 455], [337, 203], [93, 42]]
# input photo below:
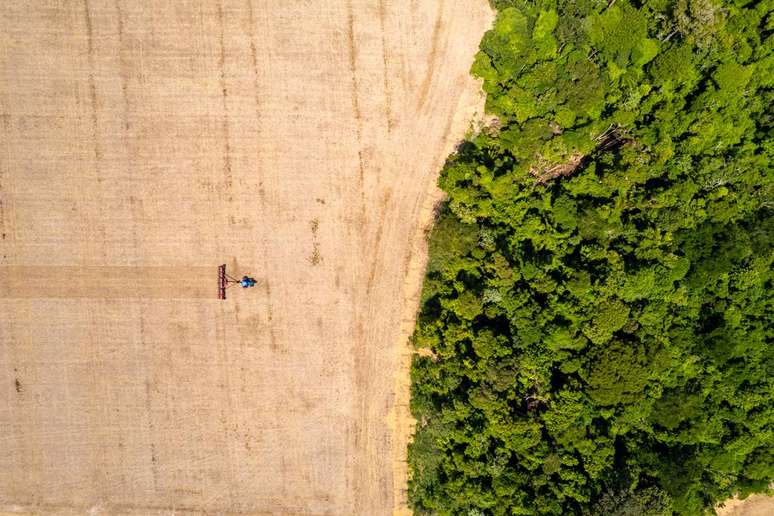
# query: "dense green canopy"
[[599, 296]]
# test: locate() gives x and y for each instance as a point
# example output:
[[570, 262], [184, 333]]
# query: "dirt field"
[[144, 143], [755, 505]]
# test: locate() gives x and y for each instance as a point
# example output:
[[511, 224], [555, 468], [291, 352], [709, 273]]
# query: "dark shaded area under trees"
[[598, 299]]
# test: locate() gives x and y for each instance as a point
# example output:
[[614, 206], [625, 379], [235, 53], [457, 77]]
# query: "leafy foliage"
[[599, 294]]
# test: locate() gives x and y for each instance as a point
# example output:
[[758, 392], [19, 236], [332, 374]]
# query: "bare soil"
[[754, 505], [144, 143]]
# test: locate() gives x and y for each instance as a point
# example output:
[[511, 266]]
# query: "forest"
[[596, 318]]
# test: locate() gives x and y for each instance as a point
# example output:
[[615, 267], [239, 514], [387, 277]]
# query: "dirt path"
[[108, 282], [298, 141], [754, 505]]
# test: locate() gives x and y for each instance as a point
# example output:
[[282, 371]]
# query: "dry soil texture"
[[755, 505], [142, 143]]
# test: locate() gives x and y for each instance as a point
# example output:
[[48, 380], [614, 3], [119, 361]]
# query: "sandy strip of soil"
[[754, 505], [109, 282]]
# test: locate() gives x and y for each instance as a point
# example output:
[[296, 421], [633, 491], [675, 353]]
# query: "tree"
[[599, 292]]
